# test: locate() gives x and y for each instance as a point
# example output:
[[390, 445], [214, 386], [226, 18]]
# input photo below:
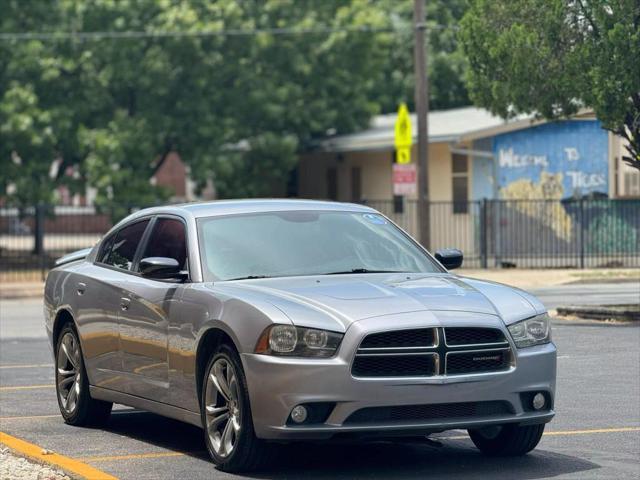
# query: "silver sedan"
[[285, 320]]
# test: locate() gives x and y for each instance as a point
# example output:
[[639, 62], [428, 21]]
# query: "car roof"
[[226, 207]]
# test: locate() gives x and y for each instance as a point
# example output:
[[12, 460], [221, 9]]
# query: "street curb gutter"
[[69, 465], [621, 313]]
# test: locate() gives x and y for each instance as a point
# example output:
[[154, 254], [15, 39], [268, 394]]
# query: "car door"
[[99, 291], [147, 307]]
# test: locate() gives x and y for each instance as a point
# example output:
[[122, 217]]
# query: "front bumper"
[[278, 384]]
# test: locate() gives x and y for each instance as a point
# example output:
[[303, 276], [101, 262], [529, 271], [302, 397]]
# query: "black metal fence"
[[31, 238], [600, 233], [491, 233]]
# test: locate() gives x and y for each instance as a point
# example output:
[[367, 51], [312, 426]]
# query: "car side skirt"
[[163, 409]]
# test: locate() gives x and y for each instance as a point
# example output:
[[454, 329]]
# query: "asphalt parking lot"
[[596, 433]]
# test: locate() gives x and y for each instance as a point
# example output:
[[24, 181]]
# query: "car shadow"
[[442, 458]]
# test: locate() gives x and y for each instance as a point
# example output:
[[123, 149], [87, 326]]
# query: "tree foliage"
[[395, 80], [238, 108], [552, 57]]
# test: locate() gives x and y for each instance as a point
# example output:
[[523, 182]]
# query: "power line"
[[105, 35]]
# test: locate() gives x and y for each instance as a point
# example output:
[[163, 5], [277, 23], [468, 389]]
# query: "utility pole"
[[422, 112]]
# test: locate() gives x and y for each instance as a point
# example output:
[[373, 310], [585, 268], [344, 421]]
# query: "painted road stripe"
[[594, 430], [65, 463], [36, 365], [41, 417], [30, 417], [562, 432], [111, 458], [24, 387]]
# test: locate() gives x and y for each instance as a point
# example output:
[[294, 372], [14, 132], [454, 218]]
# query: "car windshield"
[[289, 243]]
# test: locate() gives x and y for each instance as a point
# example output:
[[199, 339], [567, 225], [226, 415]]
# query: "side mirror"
[[450, 258], [161, 267]]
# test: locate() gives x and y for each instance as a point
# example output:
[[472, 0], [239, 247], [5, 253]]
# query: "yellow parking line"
[[594, 430], [562, 432], [111, 458], [135, 456], [35, 365], [30, 417], [40, 417], [24, 387], [65, 463]]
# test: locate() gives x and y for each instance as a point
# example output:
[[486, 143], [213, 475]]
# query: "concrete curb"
[[620, 313]]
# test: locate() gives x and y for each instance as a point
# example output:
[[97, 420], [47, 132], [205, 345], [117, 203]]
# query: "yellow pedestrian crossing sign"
[[403, 155], [403, 135]]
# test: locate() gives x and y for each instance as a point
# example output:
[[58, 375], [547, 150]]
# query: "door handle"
[[124, 303], [81, 287]]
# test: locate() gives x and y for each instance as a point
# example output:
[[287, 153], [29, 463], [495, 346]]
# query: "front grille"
[[472, 336], [420, 337], [425, 413], [394, 365], [478, 361], [427, 352]]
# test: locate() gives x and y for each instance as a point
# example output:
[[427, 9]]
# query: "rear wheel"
[[507, 440], [72, 385], [226, 415]]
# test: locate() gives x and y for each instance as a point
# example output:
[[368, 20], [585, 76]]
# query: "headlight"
[[533, 331], [290, 341]]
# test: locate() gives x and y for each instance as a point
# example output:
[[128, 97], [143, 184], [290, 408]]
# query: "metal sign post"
[[422, 112]]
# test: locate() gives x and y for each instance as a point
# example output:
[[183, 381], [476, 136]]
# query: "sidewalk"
[[21, 290], [514, 277], [524, 278]]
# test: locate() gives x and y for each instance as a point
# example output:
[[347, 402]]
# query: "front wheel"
[[226, 415], [72, 384], [507, 440]]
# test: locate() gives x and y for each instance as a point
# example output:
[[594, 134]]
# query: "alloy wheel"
[[222, 407], [68, 372]]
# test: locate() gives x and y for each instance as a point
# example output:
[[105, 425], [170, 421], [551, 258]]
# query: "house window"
[[626, 180], [632, 183], [460, 182], [332, 183], [356, 184]]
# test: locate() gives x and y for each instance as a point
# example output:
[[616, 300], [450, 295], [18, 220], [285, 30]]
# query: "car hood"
[[335, 302]]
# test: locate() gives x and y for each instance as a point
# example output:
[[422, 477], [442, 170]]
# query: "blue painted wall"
[[559, 159]]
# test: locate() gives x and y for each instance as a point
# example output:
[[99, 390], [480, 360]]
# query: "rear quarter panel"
[[94, 314]]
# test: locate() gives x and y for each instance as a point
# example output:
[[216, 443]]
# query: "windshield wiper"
[[362, 270], [249, 277]]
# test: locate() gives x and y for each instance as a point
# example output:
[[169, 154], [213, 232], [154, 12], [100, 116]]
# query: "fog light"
[[299, 414], [538, 401]]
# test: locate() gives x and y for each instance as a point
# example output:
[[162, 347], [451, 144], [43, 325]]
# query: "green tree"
[[237, 107], [553, 57], [109, 107], [394, 82]]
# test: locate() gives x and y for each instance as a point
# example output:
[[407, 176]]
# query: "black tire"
[[249, 452], [507, 440], [87, 411]]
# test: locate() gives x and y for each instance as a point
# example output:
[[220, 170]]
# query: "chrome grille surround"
[[470, 350]]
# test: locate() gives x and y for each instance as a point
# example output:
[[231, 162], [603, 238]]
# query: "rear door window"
[[125, 244]]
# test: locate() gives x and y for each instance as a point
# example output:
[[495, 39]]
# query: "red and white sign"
[[404, 179]]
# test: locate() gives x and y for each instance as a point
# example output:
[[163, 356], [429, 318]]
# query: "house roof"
[[454, 125]]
